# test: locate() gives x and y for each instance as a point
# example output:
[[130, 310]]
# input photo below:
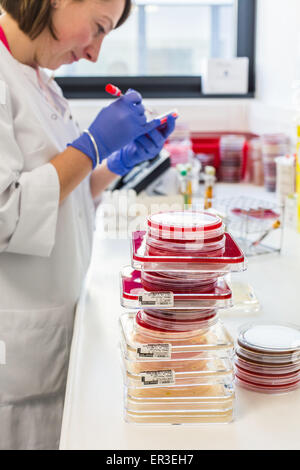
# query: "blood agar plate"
[[134, 295], [188, 225], [232, 260]]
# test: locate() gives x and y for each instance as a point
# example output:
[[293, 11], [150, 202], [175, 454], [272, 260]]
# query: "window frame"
[[172, 86]]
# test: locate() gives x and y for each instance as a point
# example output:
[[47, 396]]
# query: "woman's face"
[[80, 28]]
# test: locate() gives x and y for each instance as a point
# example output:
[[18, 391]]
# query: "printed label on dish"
[[156, 299], [158, 377], [162, 350]]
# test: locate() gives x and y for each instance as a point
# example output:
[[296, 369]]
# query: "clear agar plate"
[[133, 295], [232, 260], [180, 417], [275, 338], [217, 403], [204, 366], [168, 382]]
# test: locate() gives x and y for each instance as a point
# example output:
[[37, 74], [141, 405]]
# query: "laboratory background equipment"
[[257, 224], [232, 149], [273, 146], [255, 163]]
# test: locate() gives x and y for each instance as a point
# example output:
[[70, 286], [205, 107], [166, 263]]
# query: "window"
[[160, 48]]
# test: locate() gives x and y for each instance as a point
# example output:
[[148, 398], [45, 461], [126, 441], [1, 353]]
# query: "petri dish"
[[187, 225], [147, 320], [232, 260], [269, 389], [215, 340], [210, 247], [134, 295], [165, 282], [268, 369], [275, 338]]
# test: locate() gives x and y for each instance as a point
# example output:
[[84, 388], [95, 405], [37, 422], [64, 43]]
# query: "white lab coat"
[[44, 255]]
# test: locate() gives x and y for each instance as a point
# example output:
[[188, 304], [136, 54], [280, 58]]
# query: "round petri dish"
[[179, 325], [162, 282], [190, 225], [209, 247], [260, 379], [266, 369], [267, 359], [271, 339], [269, 389], [153, 251], [181, 314], [153, 324]]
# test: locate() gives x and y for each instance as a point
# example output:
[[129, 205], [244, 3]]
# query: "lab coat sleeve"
[[29, 201]]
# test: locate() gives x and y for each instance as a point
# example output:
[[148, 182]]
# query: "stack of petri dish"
[[231, 158], [255, 162], [177, 355], [273, 146], [268, 357]]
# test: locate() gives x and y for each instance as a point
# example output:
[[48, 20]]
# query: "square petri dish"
[[232, 260], [215, 404], [134, 295], [139, 341], [184, 388], [180, 417], [203, 363]]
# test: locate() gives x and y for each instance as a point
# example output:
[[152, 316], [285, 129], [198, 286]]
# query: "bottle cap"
[[210, 170]]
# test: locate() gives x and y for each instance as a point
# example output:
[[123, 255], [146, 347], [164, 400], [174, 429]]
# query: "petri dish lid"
[[188, 221], [274, 338]]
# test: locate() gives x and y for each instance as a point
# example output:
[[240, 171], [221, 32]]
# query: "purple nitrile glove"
[[115, 126], [143, 148]]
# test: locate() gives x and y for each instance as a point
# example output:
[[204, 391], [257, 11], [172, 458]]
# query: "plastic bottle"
[[209, 179], [185, 183]]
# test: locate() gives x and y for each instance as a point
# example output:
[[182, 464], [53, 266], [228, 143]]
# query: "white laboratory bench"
[[93, 413]]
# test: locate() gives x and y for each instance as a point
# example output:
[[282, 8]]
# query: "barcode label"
[[158, 377], [156, 299], [161, 350]]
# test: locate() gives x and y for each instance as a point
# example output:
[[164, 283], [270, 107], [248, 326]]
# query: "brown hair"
[[33, 16]]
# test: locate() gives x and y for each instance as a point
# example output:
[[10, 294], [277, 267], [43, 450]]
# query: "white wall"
[[278, 69], [201, 115], [278, 50]]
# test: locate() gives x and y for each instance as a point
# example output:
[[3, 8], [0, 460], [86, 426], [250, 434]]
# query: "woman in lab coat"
[[49, 175]]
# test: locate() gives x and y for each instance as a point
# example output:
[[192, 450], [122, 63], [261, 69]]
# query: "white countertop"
[[93, 414]]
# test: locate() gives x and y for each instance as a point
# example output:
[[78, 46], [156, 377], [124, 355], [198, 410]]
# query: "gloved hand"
[[143, 148], [115, 126]]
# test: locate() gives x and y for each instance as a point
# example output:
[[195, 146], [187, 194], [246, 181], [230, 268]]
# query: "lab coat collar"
[[31, 73]]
